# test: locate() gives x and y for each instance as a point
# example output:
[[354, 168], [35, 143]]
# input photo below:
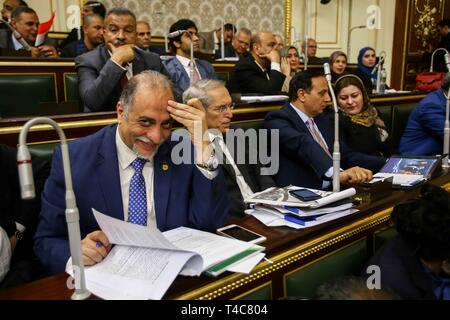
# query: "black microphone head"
[[325, 1]]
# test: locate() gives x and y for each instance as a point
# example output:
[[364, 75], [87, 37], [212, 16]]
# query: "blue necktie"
[[137, 206]]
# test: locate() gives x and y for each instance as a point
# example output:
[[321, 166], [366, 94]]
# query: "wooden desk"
[[289, 249], [82, 124]]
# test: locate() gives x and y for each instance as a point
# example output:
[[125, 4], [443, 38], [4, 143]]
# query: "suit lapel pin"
[[165, 166]]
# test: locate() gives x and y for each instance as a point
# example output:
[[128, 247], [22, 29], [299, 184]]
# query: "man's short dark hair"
[[443, 23], [302, 80], [17, 12], [121, 12], [182, 24], [97, 8], [229, 27]]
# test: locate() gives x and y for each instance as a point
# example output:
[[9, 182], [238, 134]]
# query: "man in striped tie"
[[306, 138]]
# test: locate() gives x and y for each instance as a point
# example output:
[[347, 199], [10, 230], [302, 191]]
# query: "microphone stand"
[[336, 147], [349, 38], [447, 113], [432, 56], [305, 63], [72, 214], [222, 41]]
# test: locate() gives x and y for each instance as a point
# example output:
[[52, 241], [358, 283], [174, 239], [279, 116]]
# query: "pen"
[[98, 244]]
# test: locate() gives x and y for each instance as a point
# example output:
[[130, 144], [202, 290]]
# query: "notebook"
[[408, 172]]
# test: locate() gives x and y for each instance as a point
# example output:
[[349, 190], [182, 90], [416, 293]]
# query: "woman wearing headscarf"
[[338, 65], [290, 56], [361, 126], [367, 60]]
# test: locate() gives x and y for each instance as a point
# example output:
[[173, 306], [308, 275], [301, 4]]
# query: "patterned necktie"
[[195, 74], [137, 206], [316, 136]]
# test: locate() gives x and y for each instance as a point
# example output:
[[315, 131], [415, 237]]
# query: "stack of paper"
[[144, 263], [277, 207]]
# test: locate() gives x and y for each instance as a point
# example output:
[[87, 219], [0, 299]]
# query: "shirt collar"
[[16, 43], [124, 154], [183, 60], [300, 113]]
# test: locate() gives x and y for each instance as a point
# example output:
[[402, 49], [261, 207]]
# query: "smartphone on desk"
[[241, 233], [305, 195]]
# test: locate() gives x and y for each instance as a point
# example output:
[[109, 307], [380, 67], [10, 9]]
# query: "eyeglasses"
[[224, 108]]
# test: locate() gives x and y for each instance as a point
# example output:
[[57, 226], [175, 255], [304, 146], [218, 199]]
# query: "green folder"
[[222, 266]]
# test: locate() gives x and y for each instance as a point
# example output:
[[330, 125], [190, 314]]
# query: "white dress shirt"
[[245, 189], [125, 157], [186, 63], [305, 118], [5, 253], [16, 43]]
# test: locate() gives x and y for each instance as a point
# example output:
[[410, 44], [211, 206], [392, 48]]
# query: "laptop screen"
[[418, 166]]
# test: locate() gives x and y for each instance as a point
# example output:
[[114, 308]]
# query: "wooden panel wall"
[[415, 27]]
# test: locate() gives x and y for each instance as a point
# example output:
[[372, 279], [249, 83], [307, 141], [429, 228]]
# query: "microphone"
[[18, 36], [447, 61], [327, 71], [336, 147], [380, 61], [24, 166], [175, 34]]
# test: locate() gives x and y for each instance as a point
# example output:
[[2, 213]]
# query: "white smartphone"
[[241, 233]]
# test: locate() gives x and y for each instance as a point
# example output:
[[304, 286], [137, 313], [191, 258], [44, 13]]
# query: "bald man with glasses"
[[244, 178]]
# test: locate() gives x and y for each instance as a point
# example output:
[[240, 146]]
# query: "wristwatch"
[[18, 234], [211, 164]]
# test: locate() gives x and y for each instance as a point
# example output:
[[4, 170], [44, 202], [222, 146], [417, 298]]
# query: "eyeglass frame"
[[223, 108]]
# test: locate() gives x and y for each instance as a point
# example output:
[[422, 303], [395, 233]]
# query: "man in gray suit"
[[103, 72]]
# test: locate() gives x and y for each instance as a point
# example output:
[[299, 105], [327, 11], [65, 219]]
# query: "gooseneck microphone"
[[336, 147], [18, 36], [175, 34], [72, 214], [447, 114]]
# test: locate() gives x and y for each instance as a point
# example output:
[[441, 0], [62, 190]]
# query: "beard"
[[145, 140]]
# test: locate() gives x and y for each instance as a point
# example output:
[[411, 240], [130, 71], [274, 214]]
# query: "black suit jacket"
[[402, 271], [252, 176], [303, 162], [249, 78], [99, 77]]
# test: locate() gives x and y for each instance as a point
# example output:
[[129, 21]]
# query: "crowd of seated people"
[[118, 70]]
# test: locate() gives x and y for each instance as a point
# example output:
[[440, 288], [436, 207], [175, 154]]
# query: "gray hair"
[[245, 31], [148, 80], [199, 90], [446, 82]]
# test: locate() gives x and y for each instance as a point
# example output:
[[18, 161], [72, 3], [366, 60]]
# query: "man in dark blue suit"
[[104, 175], [180, 67], [306, 138], [424, 133]]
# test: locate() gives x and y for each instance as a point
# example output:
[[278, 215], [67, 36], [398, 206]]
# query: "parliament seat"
[[22, 94], [349, 260], [400, 115]]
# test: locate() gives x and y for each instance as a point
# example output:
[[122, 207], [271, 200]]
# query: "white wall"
[[329, 25], [44, 9]]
